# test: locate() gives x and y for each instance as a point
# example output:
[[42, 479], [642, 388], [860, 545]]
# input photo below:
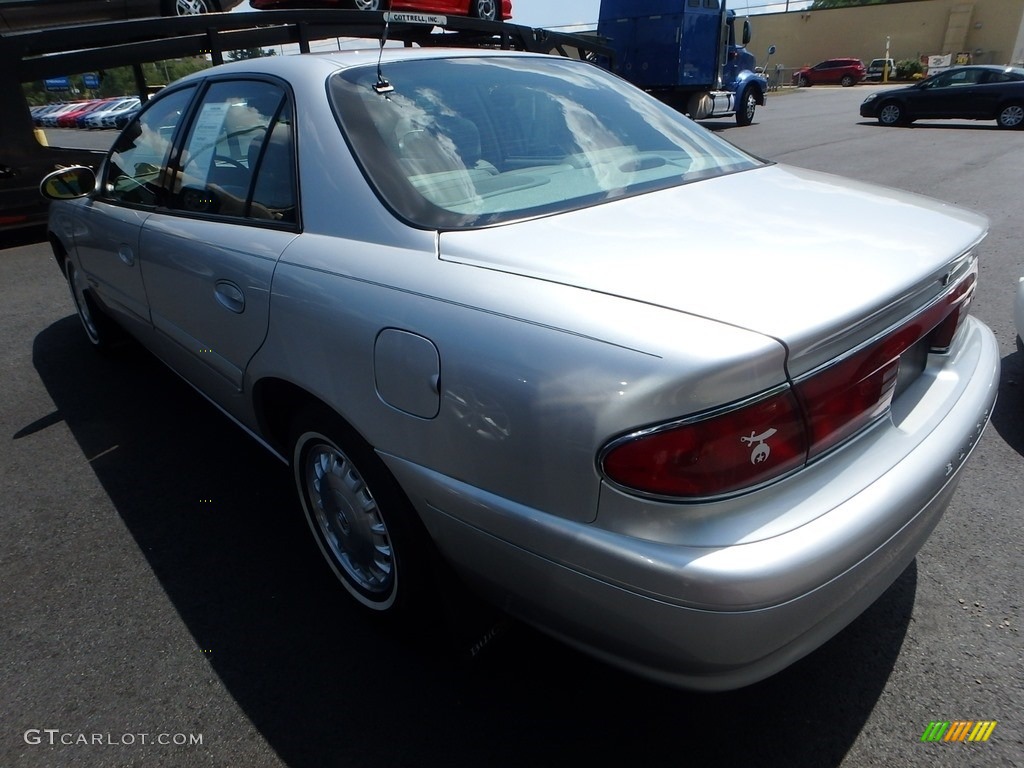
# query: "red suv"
[[844, 72]]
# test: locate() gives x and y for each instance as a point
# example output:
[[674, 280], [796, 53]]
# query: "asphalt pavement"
[[163, 603]]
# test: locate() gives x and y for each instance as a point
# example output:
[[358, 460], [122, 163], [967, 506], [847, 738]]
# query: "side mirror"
[[746, 32], [771, 50], [68, 183]]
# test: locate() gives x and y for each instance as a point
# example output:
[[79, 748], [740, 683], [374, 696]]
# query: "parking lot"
[[161, 590]]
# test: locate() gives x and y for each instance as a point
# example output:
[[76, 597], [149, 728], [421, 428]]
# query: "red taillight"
[[714, 455], [843, 397], [755, 442]]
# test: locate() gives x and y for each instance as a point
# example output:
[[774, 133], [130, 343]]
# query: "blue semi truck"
[[686, 53]]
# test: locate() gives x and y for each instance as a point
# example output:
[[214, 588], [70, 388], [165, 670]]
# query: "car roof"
[[990, 68], [323, 64]]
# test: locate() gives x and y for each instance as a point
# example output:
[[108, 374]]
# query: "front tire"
[[1011, 116], [367, 5], [363, 524], [745, 114], [803, 82], [102, 332], [891, 113]]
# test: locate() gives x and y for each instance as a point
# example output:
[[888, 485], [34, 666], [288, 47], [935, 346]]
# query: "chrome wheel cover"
[[76, 284], [751, 106], [191, 7], [367, 5], [349, 525], [1012, 116], [486, 9]]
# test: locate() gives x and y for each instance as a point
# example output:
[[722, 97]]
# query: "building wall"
[[992, 30]]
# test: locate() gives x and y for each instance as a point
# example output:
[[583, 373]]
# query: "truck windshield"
[[470, 141]]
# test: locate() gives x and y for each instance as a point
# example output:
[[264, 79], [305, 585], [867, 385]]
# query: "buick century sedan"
[[498, 309]]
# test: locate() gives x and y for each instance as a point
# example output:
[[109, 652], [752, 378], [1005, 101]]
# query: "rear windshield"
[[472, 141]]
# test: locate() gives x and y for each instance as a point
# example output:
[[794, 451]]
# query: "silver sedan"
[[507, 311]]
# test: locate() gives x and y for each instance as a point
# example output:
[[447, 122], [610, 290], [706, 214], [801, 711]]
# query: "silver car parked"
[[507, 310]]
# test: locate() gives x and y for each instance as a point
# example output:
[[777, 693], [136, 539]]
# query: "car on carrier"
[[18, 15], [488, 10], [481, 303]]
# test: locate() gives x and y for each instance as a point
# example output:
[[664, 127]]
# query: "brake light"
[[716, 454], [741, 447]]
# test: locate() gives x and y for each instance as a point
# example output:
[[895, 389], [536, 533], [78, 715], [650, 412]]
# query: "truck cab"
[[686, 53]]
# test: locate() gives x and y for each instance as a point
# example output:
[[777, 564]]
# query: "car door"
[[211, 250], [827, 72], [951, 94], [993, 90], [109, 224]]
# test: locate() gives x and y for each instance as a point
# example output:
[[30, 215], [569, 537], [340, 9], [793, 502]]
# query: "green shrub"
[[906, 69]]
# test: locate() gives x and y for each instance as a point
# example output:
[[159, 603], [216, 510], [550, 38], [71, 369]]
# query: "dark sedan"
[[971, 93]]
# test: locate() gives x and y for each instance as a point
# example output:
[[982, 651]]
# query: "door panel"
[[209, 289]]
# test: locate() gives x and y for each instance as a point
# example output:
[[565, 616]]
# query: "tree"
[[249, 53]]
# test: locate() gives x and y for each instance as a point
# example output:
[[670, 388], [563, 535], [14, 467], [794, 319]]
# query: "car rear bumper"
[[721, 617]]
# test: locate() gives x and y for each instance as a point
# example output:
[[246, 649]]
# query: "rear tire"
[[847, 81], [1011, 116], [364, 526]]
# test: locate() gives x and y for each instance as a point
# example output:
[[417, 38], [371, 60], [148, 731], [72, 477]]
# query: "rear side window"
[[238, 158]]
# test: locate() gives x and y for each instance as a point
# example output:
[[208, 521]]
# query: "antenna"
[[382, 86]]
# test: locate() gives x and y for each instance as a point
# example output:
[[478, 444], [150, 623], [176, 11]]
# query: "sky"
[[545, 13]]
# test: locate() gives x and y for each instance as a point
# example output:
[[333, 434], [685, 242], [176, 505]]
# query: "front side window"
[[238, 159], [956, 77], [471, 141], [137, 165]]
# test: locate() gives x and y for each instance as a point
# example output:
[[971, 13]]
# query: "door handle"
[[229, 296], [125, 254]]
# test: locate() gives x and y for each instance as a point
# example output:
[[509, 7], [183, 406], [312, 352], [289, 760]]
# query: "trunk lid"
[[818, 262]]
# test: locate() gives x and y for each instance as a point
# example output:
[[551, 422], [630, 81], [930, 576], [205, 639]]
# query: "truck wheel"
[[367, 5], [745, 114], [364, 525]]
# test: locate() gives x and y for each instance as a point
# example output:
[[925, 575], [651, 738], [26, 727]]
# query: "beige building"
[[991, 30]]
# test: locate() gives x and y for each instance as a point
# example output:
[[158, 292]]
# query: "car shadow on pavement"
[[938, 125], [324, 684], [1008, 416]]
